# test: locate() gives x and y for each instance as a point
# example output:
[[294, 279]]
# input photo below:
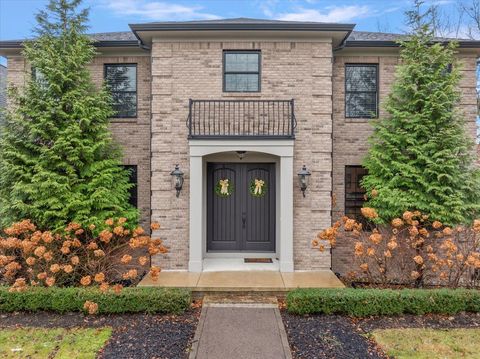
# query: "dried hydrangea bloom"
[[126, 258], [418, 260], [397, 222], [99, 277], [369, 213], [99, 253], [85, 281], [90, 307]]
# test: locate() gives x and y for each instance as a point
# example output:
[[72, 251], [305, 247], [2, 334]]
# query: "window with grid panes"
[[241, 71], [121, 80], [354, 192], [361, 90]]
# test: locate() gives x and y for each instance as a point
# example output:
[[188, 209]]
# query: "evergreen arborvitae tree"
[[58, 162], [420, 156]]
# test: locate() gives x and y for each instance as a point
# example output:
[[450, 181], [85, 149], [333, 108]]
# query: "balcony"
[[241, 119]]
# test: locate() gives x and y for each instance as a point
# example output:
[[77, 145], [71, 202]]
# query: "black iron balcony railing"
[[266, 119]]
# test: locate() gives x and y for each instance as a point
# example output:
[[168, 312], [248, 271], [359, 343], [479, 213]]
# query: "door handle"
[[244, 219]]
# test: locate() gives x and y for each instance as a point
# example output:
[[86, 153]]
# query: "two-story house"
[[242, 105]]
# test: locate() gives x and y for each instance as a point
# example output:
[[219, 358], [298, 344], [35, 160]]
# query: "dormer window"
[[241, 71]]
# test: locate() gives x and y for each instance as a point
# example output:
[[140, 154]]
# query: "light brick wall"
[[194, 70], [178, 71], [133, 134], [350, 135]]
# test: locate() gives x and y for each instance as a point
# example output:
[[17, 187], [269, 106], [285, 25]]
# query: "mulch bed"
[[327, 336], [336, 336], [134, 335]]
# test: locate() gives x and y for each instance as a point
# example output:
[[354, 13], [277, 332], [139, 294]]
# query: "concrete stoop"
[[240, 326], [243, 281]]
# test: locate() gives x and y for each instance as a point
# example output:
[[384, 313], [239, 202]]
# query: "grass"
[[56, 343], [422, 343]]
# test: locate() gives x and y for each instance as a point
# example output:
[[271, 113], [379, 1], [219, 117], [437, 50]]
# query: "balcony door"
[[241, 207]]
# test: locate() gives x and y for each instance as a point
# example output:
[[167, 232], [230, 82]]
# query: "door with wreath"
[[241, 207]]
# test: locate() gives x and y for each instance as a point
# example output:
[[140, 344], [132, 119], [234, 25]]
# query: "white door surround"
[[203, 150]]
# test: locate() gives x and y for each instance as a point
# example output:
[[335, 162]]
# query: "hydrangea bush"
[[411, 250], [76, 256]]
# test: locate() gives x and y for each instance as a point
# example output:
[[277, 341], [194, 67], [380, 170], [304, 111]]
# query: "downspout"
[[338, 48]]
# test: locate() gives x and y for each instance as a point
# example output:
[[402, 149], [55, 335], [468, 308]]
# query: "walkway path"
[[240, 330]]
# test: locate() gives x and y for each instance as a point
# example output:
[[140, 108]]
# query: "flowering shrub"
[[411, 250], [76, 256]]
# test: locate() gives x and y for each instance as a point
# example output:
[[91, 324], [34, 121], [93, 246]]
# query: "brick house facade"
[[176, 62]]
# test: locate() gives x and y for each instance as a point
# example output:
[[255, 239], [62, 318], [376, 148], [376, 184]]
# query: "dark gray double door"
[[241, 221]]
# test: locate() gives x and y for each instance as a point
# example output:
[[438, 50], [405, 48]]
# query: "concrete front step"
[[240, 300], [243, 281]]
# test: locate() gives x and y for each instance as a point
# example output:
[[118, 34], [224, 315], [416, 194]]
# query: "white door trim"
[[283, 149]]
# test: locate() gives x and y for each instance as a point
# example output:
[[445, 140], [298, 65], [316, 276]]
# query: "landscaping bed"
[[133, 335], [337, 336]]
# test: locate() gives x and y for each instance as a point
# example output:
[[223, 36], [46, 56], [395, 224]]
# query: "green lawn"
[[52, 343], [429, 343]]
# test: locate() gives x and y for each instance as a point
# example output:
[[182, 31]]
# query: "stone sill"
[[241, 94]]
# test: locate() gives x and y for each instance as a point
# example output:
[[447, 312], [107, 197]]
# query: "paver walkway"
[[240, 331]]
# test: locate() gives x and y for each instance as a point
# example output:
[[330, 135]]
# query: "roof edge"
[[185, 26], [464, 44], [18, 44]]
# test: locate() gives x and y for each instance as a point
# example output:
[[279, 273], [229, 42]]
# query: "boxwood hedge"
[[129, 300], [366, 302]]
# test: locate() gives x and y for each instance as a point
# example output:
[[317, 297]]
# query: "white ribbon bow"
[[258, 186], [224, 184]]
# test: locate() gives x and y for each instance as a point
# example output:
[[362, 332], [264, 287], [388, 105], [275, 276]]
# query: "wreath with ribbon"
[[224, 187], [258, 187]]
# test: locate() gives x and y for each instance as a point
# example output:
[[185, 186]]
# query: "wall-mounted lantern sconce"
[[303, 177], [177, 176]]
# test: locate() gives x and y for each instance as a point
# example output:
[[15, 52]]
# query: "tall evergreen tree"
[[58, 162], [420, 156]]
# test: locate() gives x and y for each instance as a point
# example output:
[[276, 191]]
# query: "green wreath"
[[218, 188], [253, 186]]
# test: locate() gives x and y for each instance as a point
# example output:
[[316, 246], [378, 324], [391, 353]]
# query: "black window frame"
[[361, 197], [225, 72], [133, 178], [136, 85], [377, 90]]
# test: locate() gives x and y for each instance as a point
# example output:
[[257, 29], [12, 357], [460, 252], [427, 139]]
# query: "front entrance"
[[238, 219]]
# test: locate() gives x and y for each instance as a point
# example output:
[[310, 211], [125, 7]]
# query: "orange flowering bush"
[[75, 256], [411, 250]]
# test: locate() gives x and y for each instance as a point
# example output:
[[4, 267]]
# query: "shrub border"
[[367, 302], [72, 299]]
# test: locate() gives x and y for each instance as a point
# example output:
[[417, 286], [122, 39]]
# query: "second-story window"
[[241, 71], [361, 91], [121, 80]]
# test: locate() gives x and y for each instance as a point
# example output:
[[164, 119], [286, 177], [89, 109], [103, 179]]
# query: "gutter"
[[18, 44], [344, 41], [468, 44], [185, 26]]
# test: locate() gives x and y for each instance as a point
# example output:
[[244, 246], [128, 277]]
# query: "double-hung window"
[[121, 80], [241, 71], [354, 192], [361, 90], [133, 199]]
